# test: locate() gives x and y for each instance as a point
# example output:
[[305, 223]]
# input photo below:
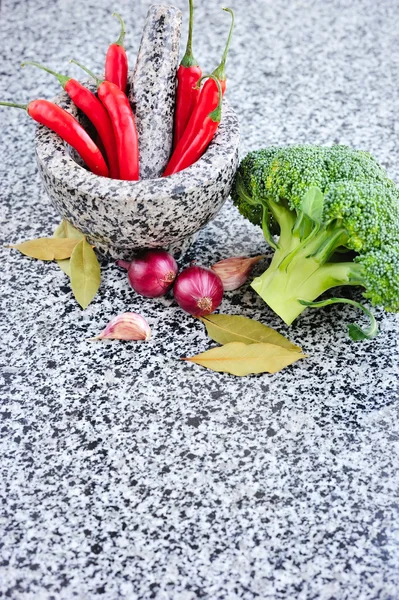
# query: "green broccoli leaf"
[[312, 204]]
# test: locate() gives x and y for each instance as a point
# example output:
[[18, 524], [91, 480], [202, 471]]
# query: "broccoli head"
[[332, 216]]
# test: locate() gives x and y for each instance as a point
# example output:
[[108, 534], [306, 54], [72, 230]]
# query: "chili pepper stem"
[[61, 78], [96, 79], [188, 59], [121, 38], [219, 71], [23, 106]]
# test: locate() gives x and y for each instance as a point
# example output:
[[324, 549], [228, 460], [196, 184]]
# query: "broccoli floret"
[[250, 207], [337, 217], [369, 212], [380, 271]]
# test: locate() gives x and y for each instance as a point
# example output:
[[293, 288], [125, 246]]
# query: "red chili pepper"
[[207, 102], [200, 136], [94, 110], [124, 125], [116, 64], [66, 126], [187, 94]]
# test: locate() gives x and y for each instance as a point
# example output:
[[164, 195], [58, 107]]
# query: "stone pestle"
[[153, 88]]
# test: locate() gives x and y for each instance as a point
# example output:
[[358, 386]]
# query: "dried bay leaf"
[[65, 265], [242, 359], [85, 273], [235, 328], [60, 230], [47, 248], [66, 230]]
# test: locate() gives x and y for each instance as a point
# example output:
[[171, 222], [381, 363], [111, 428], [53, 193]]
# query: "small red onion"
[[151, 274], [198, 291]]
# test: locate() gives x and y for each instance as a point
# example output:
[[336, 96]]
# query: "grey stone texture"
[[153, 87], [127, 473]]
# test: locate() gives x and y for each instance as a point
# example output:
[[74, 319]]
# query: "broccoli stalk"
[[301, 266], [332, 217], [355, 332]]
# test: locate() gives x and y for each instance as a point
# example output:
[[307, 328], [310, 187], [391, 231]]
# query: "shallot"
[[151, 274], [234, 271], [198, 291]]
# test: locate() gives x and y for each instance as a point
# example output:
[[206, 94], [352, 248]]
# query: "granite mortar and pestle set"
[[122, 217]]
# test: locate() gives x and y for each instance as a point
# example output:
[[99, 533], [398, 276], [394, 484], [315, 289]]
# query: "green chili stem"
[[121, 39], [188, 59], [97, 79], [61, 78], [24, 106], [219, 71]]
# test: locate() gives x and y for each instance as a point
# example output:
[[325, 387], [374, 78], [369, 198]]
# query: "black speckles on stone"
[[194, 421], [236, 300], [96, 548], [93, 444]]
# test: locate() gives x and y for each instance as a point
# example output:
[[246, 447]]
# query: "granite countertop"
[[126, 473]]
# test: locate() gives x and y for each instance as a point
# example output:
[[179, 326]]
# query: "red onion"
[[152, 273], [198, 291]]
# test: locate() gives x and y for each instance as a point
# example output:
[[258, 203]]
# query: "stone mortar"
[[122, 217]]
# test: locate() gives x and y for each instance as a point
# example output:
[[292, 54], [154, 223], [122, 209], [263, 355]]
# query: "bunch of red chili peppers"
[[198, 109], [115, 151]]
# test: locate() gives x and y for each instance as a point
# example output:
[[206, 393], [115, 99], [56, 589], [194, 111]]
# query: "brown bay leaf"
[[235, 328], [242, 359], [66, 230], [47, 248], [85, 273]]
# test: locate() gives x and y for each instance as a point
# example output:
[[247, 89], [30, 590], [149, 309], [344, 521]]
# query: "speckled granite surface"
[[128, 474], [152, 87]]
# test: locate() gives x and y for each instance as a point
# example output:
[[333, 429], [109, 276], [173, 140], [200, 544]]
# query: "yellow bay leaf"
[[235, 328], [47, 248], [66, 230], [60, 230], [241, 359], [85, 273]]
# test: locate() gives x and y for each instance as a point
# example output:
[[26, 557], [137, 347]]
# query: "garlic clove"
[[127, 326], [234, 271]]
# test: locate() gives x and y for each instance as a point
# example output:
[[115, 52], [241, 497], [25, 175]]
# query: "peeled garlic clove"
[[234, 271], [128, 326]]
